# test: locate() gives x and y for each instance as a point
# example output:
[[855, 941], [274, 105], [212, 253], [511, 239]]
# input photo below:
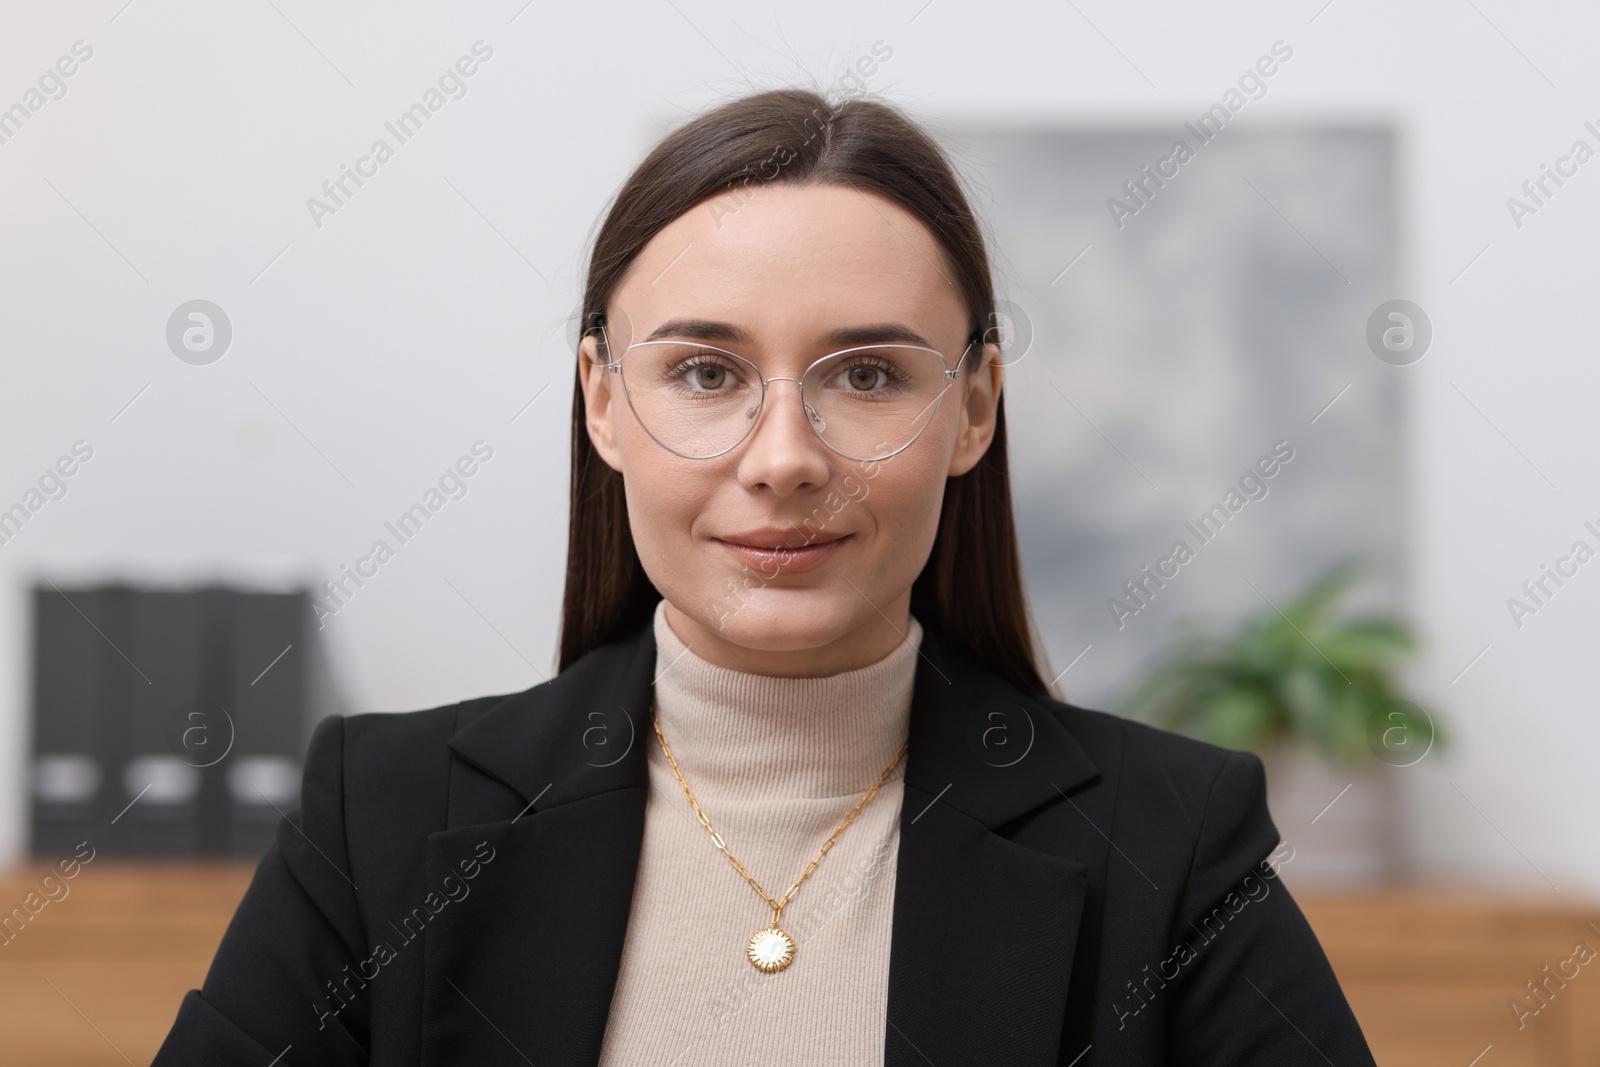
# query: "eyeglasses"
[[865, 403]]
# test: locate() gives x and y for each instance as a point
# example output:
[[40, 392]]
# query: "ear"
[[980, 408], [599, 400]]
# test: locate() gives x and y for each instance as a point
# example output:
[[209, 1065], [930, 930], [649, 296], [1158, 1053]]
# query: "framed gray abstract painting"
[[1197, 425]]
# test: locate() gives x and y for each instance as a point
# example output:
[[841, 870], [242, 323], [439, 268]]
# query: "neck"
[[787, 656], [740, 734]]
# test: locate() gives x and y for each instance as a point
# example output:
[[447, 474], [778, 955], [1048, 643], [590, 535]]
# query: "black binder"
[[171, 722]]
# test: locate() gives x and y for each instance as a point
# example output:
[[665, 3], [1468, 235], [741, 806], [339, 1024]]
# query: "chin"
[[784, 620]]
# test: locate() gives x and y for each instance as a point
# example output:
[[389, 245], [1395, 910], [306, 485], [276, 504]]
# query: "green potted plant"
[[1315, 692]]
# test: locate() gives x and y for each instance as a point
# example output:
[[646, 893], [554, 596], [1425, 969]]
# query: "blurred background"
[[1301, 419]]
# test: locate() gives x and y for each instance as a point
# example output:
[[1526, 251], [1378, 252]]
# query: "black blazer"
[[1072, 888]]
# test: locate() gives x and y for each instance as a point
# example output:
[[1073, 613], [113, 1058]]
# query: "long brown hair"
[[970, 589]]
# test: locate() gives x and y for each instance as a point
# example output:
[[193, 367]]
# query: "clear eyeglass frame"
[[950, 374]]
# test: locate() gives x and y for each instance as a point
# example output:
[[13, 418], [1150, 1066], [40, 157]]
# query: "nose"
[[783, 452]]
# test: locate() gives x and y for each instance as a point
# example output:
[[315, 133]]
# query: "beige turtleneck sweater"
[[776, 764]]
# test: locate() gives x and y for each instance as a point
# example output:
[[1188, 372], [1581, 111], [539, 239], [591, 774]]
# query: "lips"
[[775, 537], [774, 552]]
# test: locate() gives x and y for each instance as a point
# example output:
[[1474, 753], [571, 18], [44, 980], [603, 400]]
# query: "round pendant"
[[771, 950]]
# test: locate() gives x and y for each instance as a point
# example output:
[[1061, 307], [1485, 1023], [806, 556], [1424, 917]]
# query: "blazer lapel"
[[553, 791], [522, 971], [984, 928]]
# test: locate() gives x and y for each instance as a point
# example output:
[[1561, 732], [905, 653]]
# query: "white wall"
[[415, 321]]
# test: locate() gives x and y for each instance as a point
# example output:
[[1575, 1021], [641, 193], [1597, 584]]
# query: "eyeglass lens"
[[866, 403]]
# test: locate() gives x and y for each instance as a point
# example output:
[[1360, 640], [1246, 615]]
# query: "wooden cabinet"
[[95, 977], [1433, 973]]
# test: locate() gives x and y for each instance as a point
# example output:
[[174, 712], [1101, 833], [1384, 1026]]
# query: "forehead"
[[791, 265]]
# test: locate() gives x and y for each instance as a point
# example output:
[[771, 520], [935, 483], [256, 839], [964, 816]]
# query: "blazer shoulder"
[[398, 742], [1138, 754], [394, 762], [1200, 806], [384, 779]]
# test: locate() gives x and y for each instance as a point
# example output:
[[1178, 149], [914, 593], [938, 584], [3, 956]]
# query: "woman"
[[799, 793]]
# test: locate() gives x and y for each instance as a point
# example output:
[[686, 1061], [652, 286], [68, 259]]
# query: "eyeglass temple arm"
[[973, 338], [605, 338]]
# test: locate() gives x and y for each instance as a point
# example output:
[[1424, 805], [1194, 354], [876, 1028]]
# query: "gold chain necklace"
[[770, 949]]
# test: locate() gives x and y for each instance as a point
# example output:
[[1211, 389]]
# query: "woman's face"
[[782, 267]]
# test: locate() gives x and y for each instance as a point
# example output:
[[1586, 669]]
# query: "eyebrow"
[[728, 333]]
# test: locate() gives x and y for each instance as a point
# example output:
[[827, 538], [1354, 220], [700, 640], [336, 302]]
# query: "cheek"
[[664, 492], [904, 499], [666, 496]]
